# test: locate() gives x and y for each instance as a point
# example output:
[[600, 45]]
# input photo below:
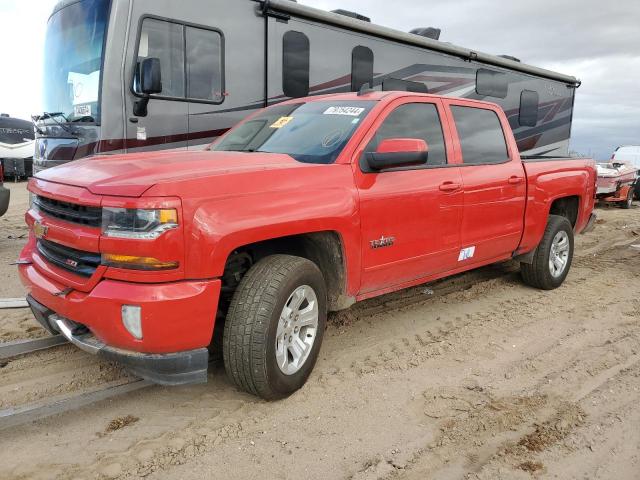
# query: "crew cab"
[[157, 259]]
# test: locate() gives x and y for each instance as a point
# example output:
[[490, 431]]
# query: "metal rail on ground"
[[14, 417], [7, 303], [24, 347]]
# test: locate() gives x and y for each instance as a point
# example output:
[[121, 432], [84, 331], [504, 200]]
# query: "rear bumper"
[[165, 369], [5, 195]]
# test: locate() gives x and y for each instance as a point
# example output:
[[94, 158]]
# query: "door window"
[[164, 40], [204, 64], [201, 77], [414, 120], [481, 136]]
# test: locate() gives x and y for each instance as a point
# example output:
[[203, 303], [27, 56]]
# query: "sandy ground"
[[478, 377]]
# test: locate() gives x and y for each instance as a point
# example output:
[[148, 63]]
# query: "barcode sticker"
[[348, 111]]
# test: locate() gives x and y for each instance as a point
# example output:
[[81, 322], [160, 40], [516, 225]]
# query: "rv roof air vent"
[[355, 15], [509, 57], [429, 32], [5, 115]]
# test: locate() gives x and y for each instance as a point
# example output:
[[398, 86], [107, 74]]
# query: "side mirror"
[[150, 76], [150, 81], [398, 152]]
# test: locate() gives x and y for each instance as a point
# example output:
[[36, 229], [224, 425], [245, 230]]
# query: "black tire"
[[628, 203], [249, 344], [538, 274]]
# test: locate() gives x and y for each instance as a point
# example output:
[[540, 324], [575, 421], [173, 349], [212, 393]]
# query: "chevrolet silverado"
[[159, 260]]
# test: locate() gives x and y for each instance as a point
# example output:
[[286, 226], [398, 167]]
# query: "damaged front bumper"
[[180, 368]]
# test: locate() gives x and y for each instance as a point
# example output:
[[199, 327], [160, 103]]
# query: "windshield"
[[314, 132], [73, 60]]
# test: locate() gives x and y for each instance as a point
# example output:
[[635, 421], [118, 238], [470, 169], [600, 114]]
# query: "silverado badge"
[[383, 242], [39, 230]]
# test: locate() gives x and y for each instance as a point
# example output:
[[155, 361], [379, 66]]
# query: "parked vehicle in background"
[[308, 206], [16, 146], [617, 183], [629, 154], [4, 194], [139, 75]]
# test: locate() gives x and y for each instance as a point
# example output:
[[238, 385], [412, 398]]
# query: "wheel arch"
[[324, 248]]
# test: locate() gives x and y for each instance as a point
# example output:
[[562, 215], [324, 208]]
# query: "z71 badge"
[[383, 242]]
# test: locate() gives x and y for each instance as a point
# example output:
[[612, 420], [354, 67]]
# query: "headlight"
[[137, 224]]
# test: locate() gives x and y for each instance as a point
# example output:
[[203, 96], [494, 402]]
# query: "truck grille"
[[70, 212], [74, 261]]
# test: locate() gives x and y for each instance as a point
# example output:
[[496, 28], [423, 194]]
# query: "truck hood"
[[132, 175]]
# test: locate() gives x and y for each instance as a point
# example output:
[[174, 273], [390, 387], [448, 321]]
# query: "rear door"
[[494, 183], [410, 217]]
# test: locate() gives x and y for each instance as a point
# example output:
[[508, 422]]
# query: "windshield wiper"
[[52, 116], [86, 118]]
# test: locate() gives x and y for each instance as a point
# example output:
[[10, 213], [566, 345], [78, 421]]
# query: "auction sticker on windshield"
[[281, 122], [348, 111]]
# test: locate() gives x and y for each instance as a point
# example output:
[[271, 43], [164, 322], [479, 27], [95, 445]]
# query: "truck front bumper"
[[177, 323], [180, 368], [5, 195]]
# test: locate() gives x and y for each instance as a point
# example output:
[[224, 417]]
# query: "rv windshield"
[[73, 60], [313, 132]]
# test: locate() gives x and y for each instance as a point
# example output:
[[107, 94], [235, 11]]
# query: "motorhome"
[[16, 146], [135, 75]]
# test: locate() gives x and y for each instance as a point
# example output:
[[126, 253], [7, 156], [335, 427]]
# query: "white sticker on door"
[[141, 134], [467, 254]]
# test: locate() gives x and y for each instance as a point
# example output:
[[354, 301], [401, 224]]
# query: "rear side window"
[[529, 105], [361, 68], [164, 40], [481, 136], [491, 84], [414, 120], [204, 64], [295, 64], [201, 76]]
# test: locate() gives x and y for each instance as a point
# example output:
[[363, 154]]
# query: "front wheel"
[[553, 257], [274, 327]]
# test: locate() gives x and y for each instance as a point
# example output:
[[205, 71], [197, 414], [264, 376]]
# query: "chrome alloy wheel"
[[297, 330], [559, 255]]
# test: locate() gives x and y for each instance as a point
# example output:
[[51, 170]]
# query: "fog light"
[[132, 320]]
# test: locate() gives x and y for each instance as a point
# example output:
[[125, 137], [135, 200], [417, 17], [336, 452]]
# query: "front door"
[[410, 217], [166, 124]]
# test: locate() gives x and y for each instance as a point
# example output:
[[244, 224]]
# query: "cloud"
[[22, 31], [595, 41]]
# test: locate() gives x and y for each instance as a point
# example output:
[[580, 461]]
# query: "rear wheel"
[[628, 203], [553, 257], [274, 328]]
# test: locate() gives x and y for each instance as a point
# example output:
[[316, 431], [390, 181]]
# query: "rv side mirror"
[[398, 152], [150, 76], [150, 82]]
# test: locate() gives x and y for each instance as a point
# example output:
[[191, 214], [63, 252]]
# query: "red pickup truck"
[[308, 206]]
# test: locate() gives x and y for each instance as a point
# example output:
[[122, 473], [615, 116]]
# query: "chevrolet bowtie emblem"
[[39, 230]]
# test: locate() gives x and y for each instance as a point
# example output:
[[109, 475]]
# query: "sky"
[[598, 42]]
